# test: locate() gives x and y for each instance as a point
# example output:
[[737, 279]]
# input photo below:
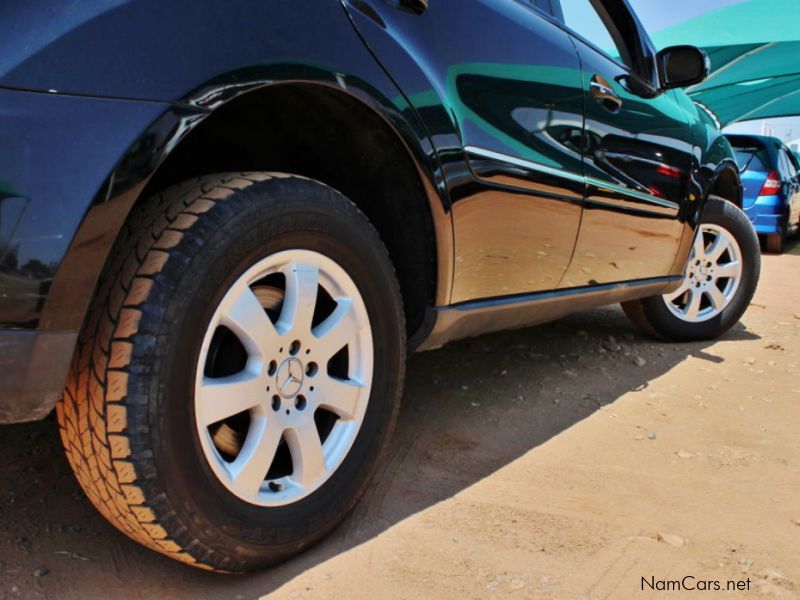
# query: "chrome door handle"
[[602, 91]]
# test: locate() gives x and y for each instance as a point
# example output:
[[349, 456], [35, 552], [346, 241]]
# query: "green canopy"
[[755, 59]]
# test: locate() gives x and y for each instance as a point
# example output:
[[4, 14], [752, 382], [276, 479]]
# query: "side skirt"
[[476, 317]]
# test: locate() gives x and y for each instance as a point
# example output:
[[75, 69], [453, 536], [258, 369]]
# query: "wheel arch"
[[365, 148], [725, 183]]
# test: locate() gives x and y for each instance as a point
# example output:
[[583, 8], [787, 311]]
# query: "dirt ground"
[[570, 460]]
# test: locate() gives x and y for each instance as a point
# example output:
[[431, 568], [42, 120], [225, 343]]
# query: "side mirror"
[[682, 66]]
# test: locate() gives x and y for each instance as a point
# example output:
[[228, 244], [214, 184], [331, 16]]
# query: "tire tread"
[[94, 413]]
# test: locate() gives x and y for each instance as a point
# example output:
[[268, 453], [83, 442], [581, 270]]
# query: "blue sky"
[[656, 15]]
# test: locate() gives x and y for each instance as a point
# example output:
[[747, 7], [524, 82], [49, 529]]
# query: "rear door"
[[637, 151], [498, 86]]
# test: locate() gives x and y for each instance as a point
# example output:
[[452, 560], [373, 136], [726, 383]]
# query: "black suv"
[[223, 228]]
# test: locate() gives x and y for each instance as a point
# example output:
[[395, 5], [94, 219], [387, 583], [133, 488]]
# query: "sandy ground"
[[564, 461]]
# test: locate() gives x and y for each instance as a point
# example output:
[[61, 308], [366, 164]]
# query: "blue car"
[[771, 182]]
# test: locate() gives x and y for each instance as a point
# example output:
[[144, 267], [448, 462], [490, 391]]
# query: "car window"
[[783, 165], [551, 7], [790, 164], [751, 158], [582, 18]]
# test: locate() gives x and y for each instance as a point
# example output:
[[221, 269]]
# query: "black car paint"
[[523, 169]]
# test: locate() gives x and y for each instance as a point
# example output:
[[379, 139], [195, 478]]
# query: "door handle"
[[418, 6], [602, 91]]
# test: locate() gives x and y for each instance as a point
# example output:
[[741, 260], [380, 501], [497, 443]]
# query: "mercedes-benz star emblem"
[[289, 377]]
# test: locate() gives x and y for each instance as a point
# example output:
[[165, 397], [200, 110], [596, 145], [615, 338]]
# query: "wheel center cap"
[[289, 377]]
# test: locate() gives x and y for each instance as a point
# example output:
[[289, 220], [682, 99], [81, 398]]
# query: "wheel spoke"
[[339, 396], [717, 298], [679, 292], [222, 397], [731, 269], [302, 280], [250, 468], [718, 246], [243, 314], [306, 449], [699, 247], [693, 306], [705, 274], [338, 329]]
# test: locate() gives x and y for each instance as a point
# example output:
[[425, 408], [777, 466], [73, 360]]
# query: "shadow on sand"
[[469, 409]]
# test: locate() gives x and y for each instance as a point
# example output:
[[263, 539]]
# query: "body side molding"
[[468, 319]]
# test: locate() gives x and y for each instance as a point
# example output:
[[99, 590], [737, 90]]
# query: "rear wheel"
[[720, 279], [776, 242], [240, 372]]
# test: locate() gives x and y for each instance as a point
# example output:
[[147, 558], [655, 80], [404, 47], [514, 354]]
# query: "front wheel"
[[720, 279], [239, 375]]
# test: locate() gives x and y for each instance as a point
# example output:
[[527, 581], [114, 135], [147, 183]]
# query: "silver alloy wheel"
[[712, 276], [285, 380]]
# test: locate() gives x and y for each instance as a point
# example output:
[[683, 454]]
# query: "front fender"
[[714, 172], [714, 159], [719, 172]]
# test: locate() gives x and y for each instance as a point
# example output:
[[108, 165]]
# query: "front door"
[[637, 151]]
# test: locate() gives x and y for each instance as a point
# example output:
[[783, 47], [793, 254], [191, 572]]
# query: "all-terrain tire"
[[126, 416]]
